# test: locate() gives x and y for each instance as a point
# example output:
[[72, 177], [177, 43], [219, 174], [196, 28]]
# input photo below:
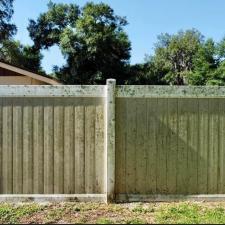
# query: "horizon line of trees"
[[95, 45]]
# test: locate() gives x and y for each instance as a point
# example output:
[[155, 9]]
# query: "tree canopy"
[[95, 45], [6, 27], [13, 51], [92, 40], [187, 58]]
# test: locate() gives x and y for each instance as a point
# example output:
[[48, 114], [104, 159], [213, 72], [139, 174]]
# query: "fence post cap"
[[111, 81]]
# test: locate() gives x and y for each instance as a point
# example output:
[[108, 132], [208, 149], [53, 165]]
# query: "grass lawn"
[[134, 213]]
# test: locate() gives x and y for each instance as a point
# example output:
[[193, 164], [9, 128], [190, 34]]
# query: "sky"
[[147, 19]]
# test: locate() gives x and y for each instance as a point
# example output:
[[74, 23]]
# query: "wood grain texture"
[[141, 146], [52, 145], [170, 146], [28, 160], [131, 138], [121, 145], [79, 120], [221, 156], [203, 146], [59, 146], [38, 146], [152, 150], [48, 146], [213, 146], [17, 146], [193, 134], [69, 149], [90, 111]]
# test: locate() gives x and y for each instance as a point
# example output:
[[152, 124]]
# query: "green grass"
[[12, 214], [138, 213], [104, 221], [191, 214]]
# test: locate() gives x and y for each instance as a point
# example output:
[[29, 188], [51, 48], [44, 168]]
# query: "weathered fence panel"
[[52, 145], [167, 145]]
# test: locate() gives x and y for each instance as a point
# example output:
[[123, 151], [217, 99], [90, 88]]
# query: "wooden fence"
[[169, 141], [126, 143], [52, 140]]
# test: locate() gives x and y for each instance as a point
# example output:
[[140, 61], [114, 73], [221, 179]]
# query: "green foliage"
[[13, 51], [91, 39], [96, 47], [204, 63], [148, 73], [23, 56], [175, 54], [217, 77], [185, 58], [6, 28], [46, 31]]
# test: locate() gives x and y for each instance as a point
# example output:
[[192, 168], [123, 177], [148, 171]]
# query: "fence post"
[[110, 140]]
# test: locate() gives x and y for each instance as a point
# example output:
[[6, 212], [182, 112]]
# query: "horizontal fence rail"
[[148, 91], [52, 91]]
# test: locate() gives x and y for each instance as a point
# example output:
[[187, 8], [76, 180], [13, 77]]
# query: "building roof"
[[16, 69]]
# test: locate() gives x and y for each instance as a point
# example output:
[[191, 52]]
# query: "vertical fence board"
[[131, 145], [17, 146], [7, 147], [58, 147], [48, 146], [27, 147], [79, 147], [69, 151], [172, 146], [121, 145], [151, 176], [182, 147], [90, 111], [203, 146], [192, 145], [141, 146], [213, 146], [162, 146], [221, 156], [38, 146]]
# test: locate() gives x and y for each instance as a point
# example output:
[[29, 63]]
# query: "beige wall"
[[19, 80]]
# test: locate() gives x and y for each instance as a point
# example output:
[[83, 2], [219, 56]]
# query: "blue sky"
[[147, 19]]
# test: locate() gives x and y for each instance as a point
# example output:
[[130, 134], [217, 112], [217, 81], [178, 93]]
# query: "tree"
[[204, 63], [13, 51], [46, 31], [91, 39], [7, 29], [23, 56], [175, 55], [147, 73]]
